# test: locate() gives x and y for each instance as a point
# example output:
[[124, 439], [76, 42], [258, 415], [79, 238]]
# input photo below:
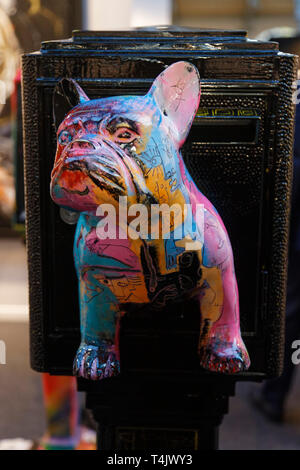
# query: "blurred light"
[[107, 14], [14, 313], [124, 14], [151, 12], [278, 32]]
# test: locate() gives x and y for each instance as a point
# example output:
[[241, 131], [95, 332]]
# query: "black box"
[[239, 153]]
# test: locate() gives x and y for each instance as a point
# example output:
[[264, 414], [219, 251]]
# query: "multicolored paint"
[[62, 413], [130, 146]]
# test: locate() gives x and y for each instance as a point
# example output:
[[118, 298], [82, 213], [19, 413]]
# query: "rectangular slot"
[[224, 130]]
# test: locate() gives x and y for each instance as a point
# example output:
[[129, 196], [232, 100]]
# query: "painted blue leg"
[[97, 356]]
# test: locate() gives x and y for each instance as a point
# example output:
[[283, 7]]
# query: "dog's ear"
[[67, 95], [176, 92]]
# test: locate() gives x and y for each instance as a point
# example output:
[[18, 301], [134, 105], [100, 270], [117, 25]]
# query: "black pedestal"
[[159, 412]]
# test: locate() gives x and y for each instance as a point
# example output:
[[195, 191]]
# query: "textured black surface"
[[280, 213], [33, 209], [248, 181]]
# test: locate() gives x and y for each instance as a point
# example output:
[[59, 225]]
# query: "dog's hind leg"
[[221, 346]]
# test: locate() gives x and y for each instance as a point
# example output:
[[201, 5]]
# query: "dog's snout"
[[82, 144]]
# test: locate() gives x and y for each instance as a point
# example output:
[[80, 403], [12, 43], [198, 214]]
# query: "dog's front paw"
[[95, 362], [224, 356]]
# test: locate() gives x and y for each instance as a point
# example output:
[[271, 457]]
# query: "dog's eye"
[[64, 138], [124, 134]]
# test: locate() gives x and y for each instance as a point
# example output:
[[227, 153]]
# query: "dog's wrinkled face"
[[119, 146], [99, 149]]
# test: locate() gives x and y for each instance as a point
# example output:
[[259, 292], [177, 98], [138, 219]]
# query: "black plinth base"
[[145, 412]]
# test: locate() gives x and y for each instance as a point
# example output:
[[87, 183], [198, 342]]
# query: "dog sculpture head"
[[121, 146]]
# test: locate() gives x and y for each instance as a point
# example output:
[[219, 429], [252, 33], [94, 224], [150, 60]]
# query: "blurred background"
[[24, 24]]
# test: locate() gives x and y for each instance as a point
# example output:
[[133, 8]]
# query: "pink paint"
[[118, 249]]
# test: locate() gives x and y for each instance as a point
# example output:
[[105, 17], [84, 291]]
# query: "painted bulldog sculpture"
[[121, 156]]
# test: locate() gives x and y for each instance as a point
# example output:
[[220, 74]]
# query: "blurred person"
[[35, 23], [9, 57], [9, 60], [271, 398]]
